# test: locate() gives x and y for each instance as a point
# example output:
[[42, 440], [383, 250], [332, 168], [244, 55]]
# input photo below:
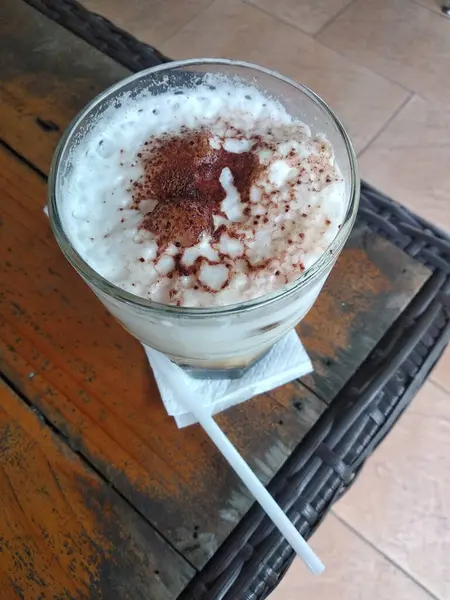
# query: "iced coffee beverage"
[[205, 204]]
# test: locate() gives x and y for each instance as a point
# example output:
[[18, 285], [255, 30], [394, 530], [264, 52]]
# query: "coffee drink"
[[205, 203]]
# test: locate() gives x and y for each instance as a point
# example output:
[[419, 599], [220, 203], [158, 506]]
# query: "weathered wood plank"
[[66, 534], [46, 76], [370, 286], [93, 382]]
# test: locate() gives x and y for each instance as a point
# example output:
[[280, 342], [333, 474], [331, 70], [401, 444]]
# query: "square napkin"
[[286, 361]]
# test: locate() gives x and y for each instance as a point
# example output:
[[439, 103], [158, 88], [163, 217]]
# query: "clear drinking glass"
[[218, 341]]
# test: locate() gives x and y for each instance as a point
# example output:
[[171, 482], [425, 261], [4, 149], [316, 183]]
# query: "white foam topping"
[[257, 244]]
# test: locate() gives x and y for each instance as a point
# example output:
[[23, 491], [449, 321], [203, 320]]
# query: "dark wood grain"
[[63, 532], [89, 377], [370, 286], [46, 76]]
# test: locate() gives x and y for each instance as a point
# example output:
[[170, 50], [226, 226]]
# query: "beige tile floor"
[[384, 66]]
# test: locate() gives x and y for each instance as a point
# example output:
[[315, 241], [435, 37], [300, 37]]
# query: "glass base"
[[221, 373]]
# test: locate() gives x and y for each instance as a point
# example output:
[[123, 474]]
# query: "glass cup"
[[219, 341]]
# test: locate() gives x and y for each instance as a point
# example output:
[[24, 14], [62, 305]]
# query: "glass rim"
[[110, 289]]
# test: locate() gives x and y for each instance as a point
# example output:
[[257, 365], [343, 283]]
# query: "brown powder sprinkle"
[[183, 173], [180, 221], [187, 167]]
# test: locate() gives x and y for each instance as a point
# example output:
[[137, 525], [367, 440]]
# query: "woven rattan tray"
[[251, 562]]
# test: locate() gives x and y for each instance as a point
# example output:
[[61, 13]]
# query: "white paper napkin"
[[286, 361]]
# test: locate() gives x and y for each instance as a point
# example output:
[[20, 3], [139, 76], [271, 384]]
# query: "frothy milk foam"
[[202, 197]]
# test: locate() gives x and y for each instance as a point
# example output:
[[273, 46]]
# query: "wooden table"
[[101, 495]]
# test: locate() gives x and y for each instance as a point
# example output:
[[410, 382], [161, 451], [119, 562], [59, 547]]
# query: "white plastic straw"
[[239, 465]]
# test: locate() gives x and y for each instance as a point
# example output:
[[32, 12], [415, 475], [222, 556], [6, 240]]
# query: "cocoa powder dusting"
[[183, 173], [179, 221]]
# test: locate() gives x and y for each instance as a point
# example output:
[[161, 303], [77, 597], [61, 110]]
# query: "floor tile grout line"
[[269, 14], [334, 17], [355, 61], [383, 128], [385, 556], [310, 36], [341, 54], [438, 385], [436, 103], [277, 18], [168, 38], [382, 75], [290, 24], [365, 67]]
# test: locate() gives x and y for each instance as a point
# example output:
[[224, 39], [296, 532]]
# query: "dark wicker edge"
[[101, 34], [252, 561]]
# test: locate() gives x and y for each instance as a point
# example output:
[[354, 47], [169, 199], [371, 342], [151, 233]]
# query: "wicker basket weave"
[[252, 561]]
